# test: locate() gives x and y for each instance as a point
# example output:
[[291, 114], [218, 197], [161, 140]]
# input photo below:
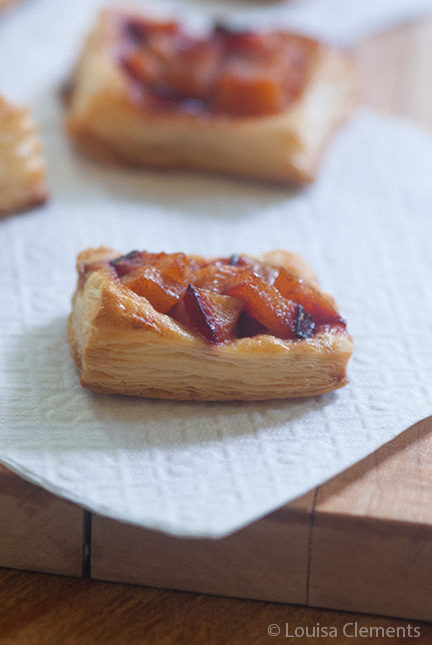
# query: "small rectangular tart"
[[261, 105], [174, 326]]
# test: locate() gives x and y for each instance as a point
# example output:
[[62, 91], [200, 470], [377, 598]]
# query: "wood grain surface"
[[39, 532], [371, 539], [266, 560], [41, 609]]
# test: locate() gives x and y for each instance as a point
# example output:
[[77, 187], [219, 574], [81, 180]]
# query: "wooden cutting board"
[[361, 542]]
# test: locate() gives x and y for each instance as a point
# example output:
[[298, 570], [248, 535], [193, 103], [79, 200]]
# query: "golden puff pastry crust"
[[121, 344], [107, 120], [22, 169]]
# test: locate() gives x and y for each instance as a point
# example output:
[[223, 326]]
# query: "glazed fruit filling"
[[228, 298], [238, 73]]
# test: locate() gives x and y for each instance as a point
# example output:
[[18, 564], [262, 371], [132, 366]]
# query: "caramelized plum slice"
[[176, 266], [262, 72], [252, 92], [218, 277], [211, 314], [127, 263], [265, 303], [318, 306], [160, 291], [190, 69], [248, 326], [235, 40], [139, 30], [305, 326], [265, 271], [141, 66]]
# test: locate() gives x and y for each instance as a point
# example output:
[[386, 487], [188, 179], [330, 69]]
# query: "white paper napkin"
[[196, 468]]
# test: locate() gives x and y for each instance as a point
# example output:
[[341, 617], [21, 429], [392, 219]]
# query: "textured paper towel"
[[207, 469]]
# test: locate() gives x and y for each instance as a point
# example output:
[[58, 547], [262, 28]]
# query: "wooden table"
[[394, 76]]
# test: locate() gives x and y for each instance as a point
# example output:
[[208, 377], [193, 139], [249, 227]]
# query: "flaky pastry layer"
[[22, 169], [121, 344], [105, 122]]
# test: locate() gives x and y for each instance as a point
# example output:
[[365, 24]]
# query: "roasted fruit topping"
[[248, 326], [218, 277], [157, 287], [264, 303], [141, 30], [211, 314], [127, 263], [227, 298], [239, 73], [305, 326], [240, 92], [176, 266], [320, 307]]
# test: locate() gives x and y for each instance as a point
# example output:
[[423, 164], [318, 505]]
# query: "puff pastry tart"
[[183, 327], [263, 105], [22, 169]]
